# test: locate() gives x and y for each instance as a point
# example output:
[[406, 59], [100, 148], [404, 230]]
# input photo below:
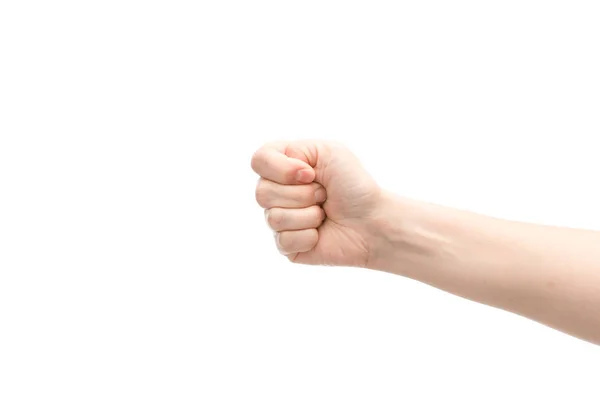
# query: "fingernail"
[[304, 176], [320, 195]]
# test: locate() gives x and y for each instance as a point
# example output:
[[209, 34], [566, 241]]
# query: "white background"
[[134, 263]]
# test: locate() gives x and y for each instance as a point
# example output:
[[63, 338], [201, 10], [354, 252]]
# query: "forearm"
[[548, 274]]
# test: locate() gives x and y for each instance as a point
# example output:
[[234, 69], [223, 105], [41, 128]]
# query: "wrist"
[[408, 236]]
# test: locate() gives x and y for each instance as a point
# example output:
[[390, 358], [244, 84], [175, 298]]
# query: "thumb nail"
[[305, 175]]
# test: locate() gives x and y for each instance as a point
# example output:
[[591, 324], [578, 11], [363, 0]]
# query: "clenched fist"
[[318, 200]]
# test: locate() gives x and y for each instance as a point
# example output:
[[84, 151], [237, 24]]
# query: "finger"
[[272, 164], [284, 219], [270, 194], [289, 242]]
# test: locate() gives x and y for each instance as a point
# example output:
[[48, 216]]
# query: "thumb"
[[273, 162]]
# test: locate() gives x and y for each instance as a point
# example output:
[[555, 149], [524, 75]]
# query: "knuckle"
[[275, 219], [260, 161], [262, 196], [255, 160]]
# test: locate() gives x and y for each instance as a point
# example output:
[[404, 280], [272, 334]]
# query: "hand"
[[319, 201]]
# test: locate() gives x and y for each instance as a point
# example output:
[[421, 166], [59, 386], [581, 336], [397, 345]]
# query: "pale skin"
[[325, 209]]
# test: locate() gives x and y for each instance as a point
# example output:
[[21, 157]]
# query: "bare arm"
[[548, 274], [326, 209]]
